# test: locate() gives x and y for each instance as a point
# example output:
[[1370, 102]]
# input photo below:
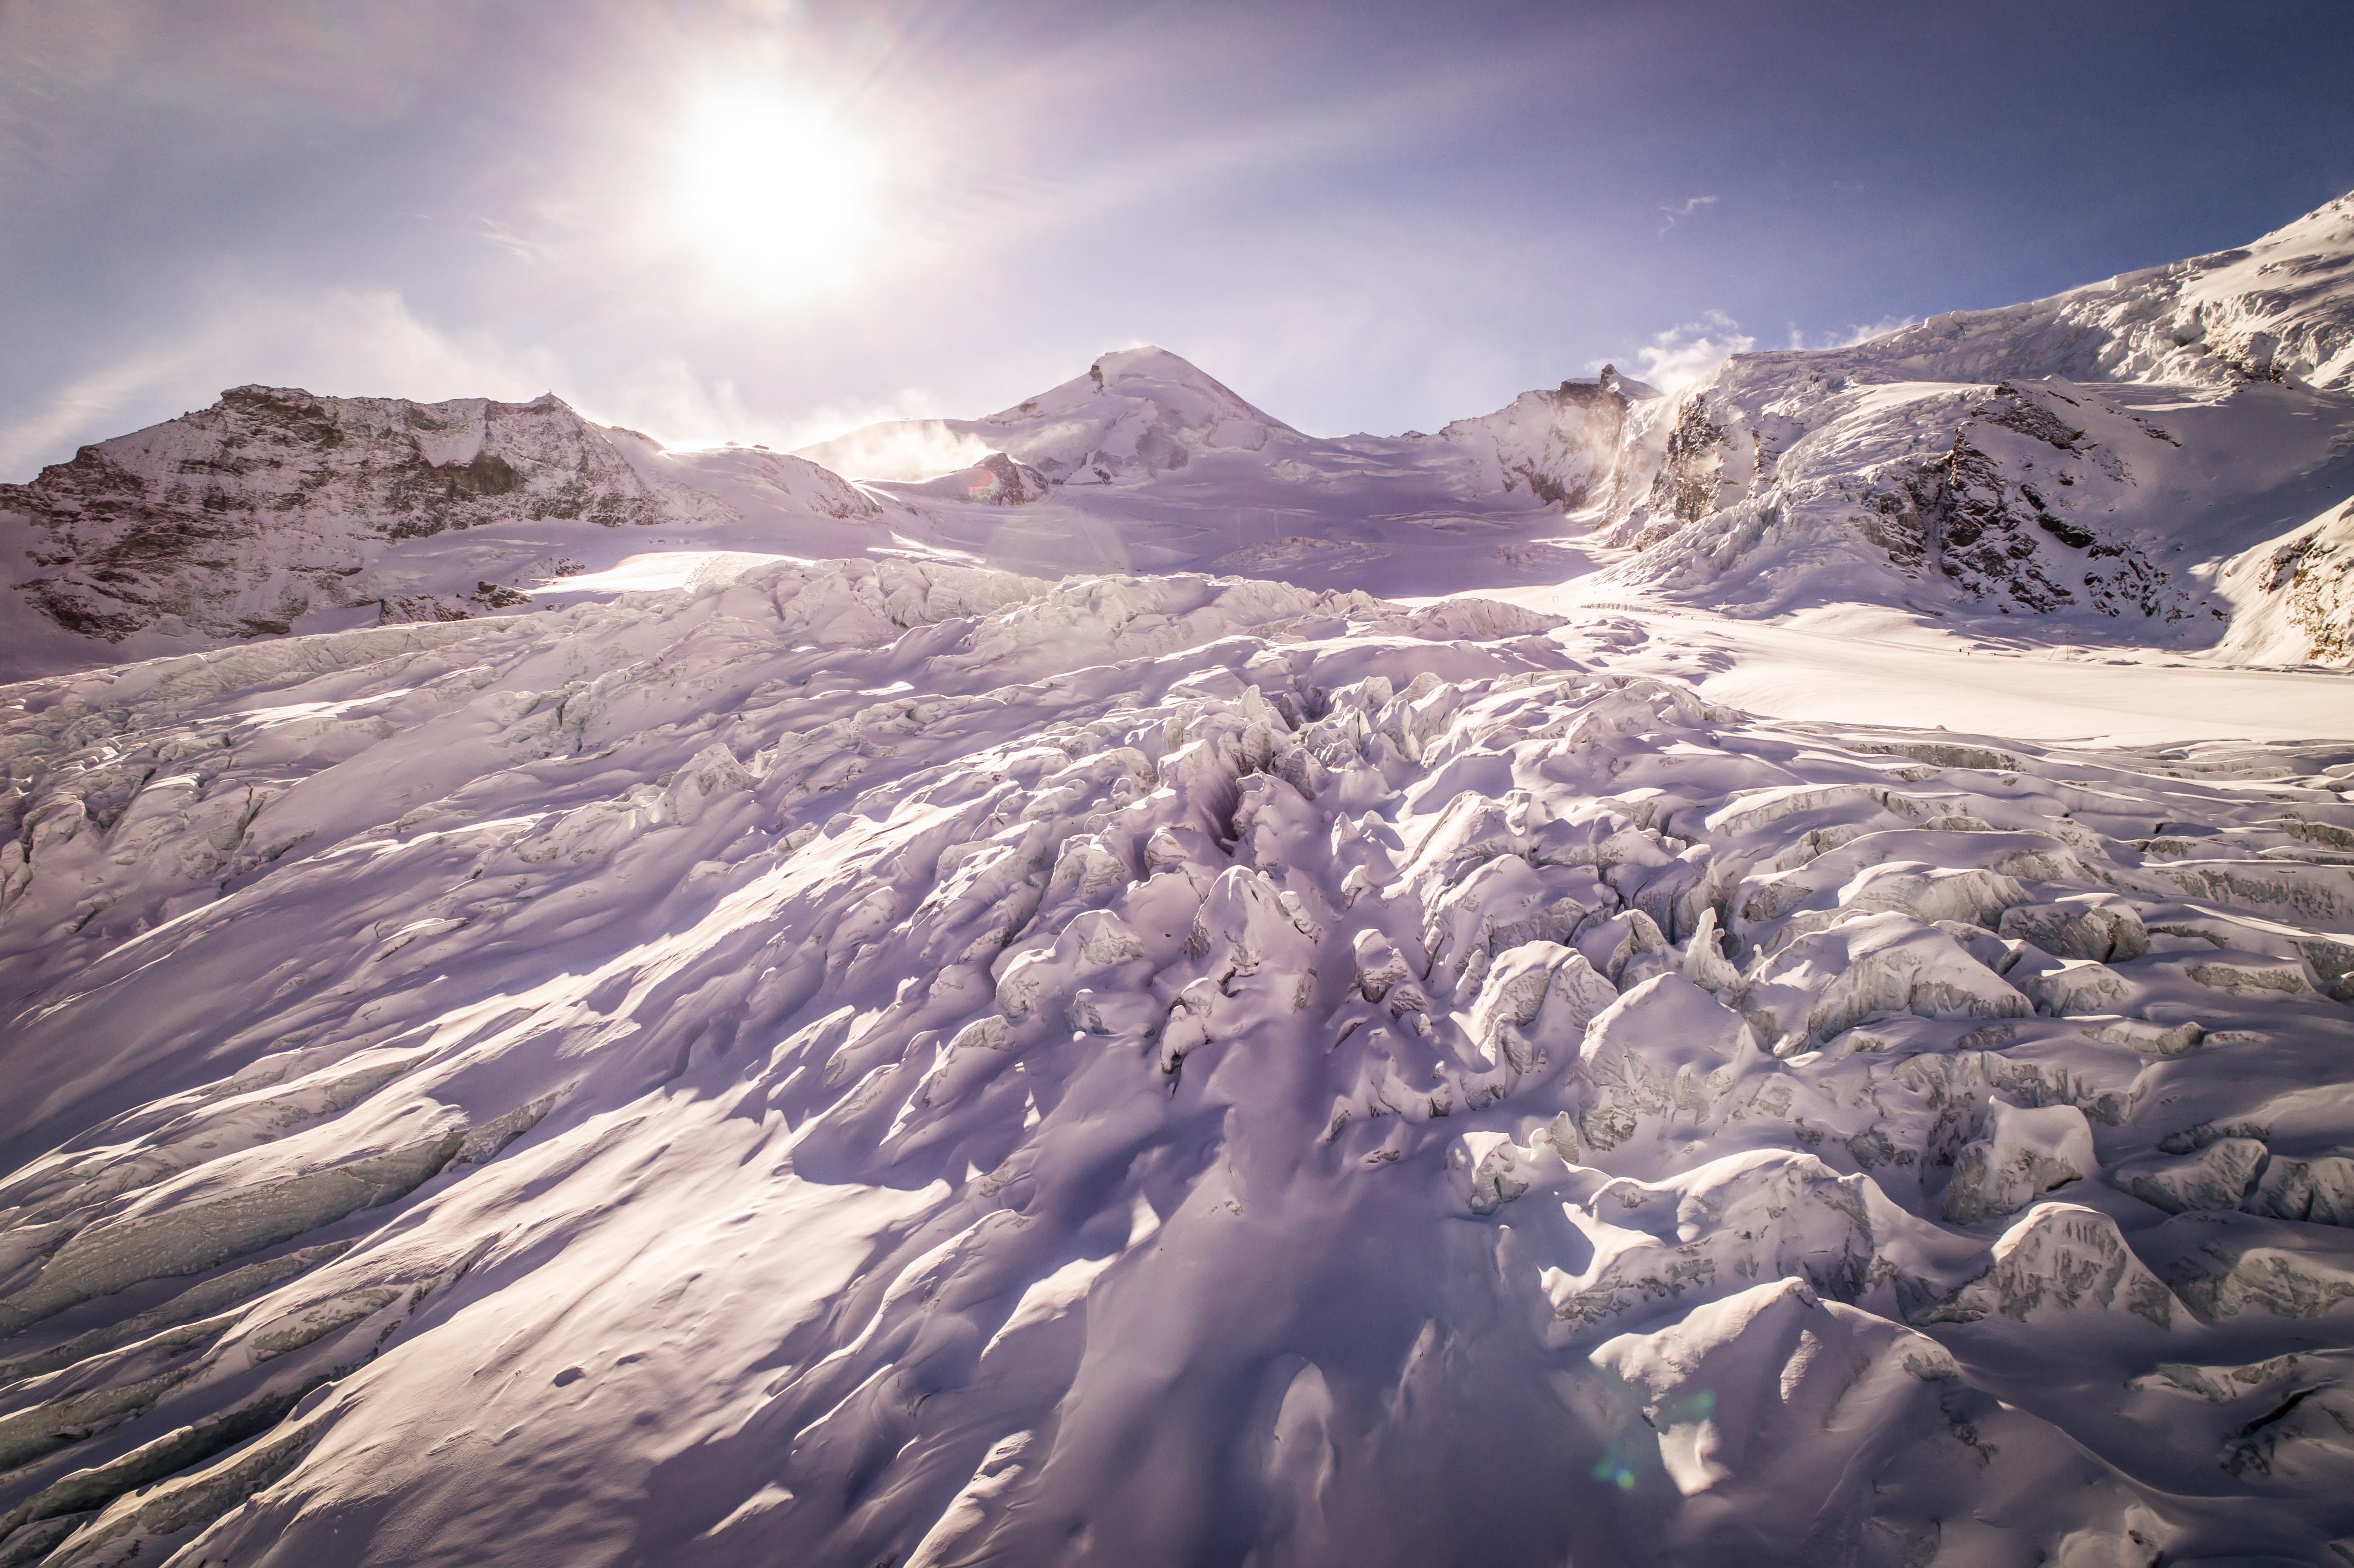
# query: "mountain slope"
[[2278, 308], [2085, 461], [276, 511], [275, 507], [237, 519], [2076, 469]]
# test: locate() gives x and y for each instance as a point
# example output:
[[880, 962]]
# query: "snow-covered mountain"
[[2101, 465], [1142, 413], [1134, 415], [2086, 462], [276, 511], [632, 1045], [244, 518]]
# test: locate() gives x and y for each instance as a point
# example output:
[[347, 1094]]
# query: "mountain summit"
[[1136, 413]]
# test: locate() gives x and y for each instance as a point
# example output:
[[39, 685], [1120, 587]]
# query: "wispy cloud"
[[1683, 354], [1691, 205], [531, 252]]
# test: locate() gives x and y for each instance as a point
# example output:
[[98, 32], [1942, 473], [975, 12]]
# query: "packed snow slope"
[[881, 1062]]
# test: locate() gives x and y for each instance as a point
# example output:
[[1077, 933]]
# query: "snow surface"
[[867, 1061], [1007, 1008]]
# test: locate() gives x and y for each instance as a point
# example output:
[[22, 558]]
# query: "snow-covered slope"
[[1564, 445], [2084, 462], [2279, 309], [274, 510], [2295, 595], [1142, 413], [867, 1062], [235, 520]]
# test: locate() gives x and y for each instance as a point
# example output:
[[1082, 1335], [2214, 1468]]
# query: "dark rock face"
[[1972, 519], [1685, 487], [240, 518]]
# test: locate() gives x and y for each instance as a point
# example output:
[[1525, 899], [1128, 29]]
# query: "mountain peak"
[[1181, 393], [1136, 412], [1146, 362]]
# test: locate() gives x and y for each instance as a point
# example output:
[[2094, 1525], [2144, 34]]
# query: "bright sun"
[[775, 189]]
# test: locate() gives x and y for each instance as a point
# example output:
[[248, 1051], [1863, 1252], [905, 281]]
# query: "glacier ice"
[[912, 1060]]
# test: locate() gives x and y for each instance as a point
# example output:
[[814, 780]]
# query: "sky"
[[770, 221]]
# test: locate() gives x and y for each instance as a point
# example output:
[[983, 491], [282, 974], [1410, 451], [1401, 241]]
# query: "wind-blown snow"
[[881, 1061]]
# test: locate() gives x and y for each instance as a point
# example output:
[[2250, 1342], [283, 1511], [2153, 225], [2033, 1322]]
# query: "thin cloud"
[[1691, 205], [523, 248]]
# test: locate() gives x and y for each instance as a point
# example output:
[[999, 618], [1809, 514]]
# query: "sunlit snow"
[[1758, 976]]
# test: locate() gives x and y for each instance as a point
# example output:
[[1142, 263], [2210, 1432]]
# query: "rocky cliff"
[[238, 519]]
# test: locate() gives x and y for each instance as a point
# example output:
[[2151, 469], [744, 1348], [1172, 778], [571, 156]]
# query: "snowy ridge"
[[1134, 415], [2280, 309], [895, 1062]]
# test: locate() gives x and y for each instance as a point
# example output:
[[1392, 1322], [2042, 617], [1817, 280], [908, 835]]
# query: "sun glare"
[[774, 189]]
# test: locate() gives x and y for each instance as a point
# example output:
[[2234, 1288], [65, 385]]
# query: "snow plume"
[[898, 449], [882, 1062], [664, 398], [1682, 354]]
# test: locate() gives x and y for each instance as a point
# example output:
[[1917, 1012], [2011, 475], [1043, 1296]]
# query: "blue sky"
[[769, 221]]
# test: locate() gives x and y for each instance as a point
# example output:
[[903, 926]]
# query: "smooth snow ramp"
[[869, 1062]]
